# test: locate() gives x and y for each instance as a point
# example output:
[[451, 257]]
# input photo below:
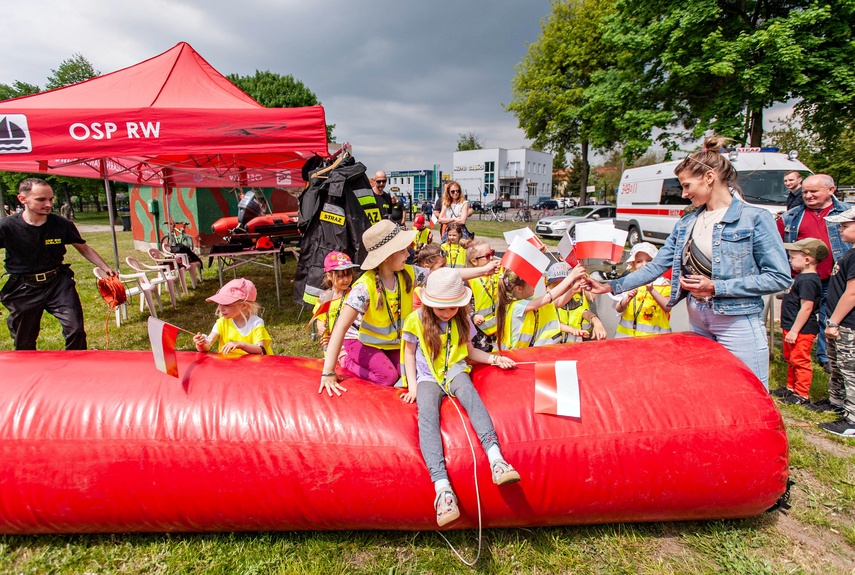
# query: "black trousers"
[[27, 301]]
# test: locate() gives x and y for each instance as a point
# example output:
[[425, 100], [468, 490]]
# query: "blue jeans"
[[821, 344], [743, 335]]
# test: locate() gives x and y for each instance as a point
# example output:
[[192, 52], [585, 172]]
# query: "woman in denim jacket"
[[725, 255]]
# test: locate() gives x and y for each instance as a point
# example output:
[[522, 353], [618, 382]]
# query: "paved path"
[[97, 228]]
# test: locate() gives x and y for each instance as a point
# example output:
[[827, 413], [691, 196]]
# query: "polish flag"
[[162, 336], [618, 242], [526, 234], [526, 261], [324, 308], [556, 388], [567, 249], [594, 240], [433, 220]]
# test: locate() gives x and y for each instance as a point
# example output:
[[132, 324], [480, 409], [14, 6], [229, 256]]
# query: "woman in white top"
[[455, 209]]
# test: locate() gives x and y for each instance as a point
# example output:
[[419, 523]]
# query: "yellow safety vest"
[[330, 316], [381, 328], [449, 355], [485, 294], [455, 256], [573, 317], [422, 238], [643, 316], [540, 326]]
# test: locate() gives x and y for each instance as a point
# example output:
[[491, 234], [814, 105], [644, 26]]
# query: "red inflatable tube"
[[671, 428]]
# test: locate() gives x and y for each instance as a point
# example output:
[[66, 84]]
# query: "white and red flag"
[[556, 388], [567, 249], [433, 220], [162, 336], [618, 242], [594, 240], [526, 261], [526, 234]]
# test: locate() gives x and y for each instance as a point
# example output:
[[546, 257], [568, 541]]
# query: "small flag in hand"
[[322, 309], [526, 234], [526, 261], [618, 242], [594, 240], [556, 388], [433, 221], [162, 336], [566, 247]]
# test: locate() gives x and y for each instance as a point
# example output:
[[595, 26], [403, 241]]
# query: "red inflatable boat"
[[671, 428]]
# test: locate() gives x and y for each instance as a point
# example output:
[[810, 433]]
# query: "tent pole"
[[110, 210]]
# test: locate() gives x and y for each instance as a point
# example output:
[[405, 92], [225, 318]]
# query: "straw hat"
[[445, 288], [384, 239]]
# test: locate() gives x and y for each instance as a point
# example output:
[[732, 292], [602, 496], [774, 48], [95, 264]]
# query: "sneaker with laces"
[[446, 507], [825, 405], [503, 473], [781, 392], [842, 427], [795, 399]]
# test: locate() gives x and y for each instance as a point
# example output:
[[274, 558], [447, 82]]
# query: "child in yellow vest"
[[239, 329], [578, 321], [485, 295], [435, 352], [338, 276], [644, 311], [383, 295], [525, 321], [453, 248], [424, 235]]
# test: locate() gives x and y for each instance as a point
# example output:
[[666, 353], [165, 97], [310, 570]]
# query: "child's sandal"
[[446, 507], [504, 473]]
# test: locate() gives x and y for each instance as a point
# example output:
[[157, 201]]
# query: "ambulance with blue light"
[[650, 199]]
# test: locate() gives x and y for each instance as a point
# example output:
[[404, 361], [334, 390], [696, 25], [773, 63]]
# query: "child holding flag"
[[577, 320], [437, 344], [485, 296], [239, 329], [644, 310], [453, 248]]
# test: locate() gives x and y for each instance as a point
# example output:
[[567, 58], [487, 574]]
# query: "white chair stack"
[[163, 275], [135, 285], [181, 263]]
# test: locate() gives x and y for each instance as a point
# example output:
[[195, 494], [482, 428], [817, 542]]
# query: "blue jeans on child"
[[743, 335], [429, 398]]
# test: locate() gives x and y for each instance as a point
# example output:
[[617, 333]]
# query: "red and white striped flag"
[[594, 240], [618, 242], [433, 220], [162, 336], [526, 261], [556, 388], [567, 249], [526, 234]]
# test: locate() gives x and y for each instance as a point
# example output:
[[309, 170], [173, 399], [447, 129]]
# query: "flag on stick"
[[162, 336], [556, 388], [526, 234], [526, 261], [567, 249], [433, 220], [322, 309], [594, 240], [618, 242]]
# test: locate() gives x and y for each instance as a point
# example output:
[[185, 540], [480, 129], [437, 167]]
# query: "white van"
[[650, 199]]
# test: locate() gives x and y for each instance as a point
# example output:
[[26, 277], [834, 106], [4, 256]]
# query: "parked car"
[[546, 205], [495, 204], [477, 206], [556, 226]]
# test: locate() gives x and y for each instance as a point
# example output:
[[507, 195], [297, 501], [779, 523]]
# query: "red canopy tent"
[[172, 120]]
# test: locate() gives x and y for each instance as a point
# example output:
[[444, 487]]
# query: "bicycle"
[[176, 237], [496, 214], [522, 215]]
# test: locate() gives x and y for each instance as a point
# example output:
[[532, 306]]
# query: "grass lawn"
[[816, 536]]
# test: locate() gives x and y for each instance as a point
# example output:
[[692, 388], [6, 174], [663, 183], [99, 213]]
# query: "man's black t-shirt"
[[843, 271], [805, 286], [36, 249], [384, 202]]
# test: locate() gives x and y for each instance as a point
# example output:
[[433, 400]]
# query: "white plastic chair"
[[135, 285], [163, 275], [179, 262]]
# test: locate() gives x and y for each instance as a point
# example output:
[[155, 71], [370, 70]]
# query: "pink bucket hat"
[[236, 290], [338, 261]]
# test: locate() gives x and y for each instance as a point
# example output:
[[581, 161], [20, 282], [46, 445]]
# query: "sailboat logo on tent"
[[283, 177], [14, 134]]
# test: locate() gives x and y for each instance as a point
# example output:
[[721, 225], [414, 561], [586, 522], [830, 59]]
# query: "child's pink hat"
[[338, 261], [236, 290]]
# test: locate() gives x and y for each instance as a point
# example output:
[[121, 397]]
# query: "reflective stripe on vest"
[[455, 256], [377, 330], [414, 325], [485, 297], [546, 319]]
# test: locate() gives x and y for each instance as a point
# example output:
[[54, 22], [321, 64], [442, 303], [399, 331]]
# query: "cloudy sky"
[[400, 80]]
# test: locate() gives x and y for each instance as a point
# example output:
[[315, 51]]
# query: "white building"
[[497, 173]]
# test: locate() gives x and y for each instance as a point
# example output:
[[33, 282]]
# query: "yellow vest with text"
[[643, 316], [457, 352], [540, 326], [485, 295], [377, 328]]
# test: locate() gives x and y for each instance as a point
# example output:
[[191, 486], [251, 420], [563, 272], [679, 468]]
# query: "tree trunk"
[[586, 168], [756, 128]]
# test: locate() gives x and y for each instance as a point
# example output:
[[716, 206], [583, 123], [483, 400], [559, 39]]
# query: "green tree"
[[71, 71], [716, 65], [469, 141], [273, 90], [17, 89], [551, 97], [824, 156]]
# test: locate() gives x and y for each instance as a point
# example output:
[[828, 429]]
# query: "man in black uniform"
[[383, 198], [39, 281]]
